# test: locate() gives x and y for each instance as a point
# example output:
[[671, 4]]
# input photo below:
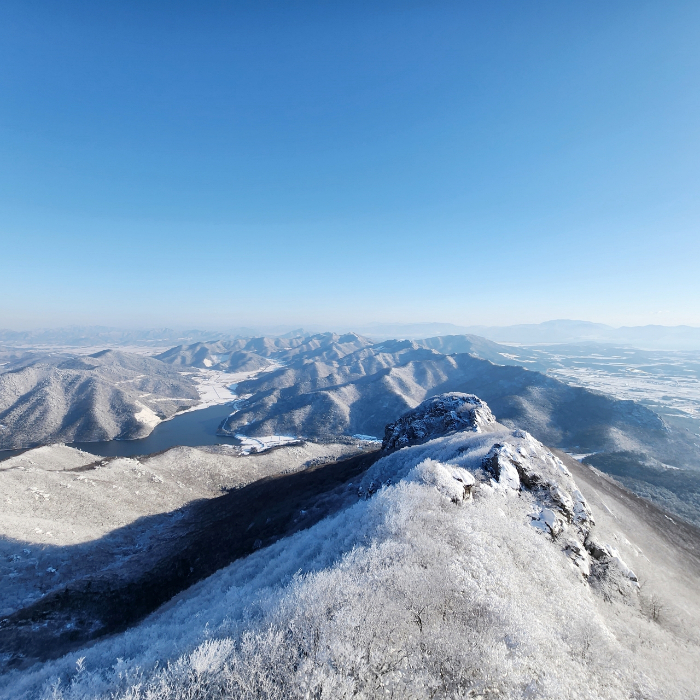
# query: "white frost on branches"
[[432, 585]]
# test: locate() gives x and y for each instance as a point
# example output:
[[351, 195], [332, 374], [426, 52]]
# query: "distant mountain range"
[[80, 336], [564, 331], [329, 385], [558, 331], [249, 354], [349, 387]]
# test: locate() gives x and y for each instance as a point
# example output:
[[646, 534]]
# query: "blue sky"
[[227, 163]]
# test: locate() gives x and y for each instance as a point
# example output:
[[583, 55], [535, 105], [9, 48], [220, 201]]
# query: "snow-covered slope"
[[16, 358], [363, 391], [247, 354], [90, 545], [472, 344], [98, 397], [469, 565]]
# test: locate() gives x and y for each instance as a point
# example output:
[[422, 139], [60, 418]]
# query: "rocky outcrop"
[[438, 416], [560, 510], [527, 464], [608, 571], [515, 464]]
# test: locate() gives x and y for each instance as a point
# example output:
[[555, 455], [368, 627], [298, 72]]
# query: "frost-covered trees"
[[441, 600], [416, 591]]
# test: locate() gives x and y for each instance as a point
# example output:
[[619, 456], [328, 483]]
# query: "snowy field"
[[216, 387], [667, 382], [260, 444]]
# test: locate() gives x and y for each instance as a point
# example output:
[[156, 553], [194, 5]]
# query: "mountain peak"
[[437, 416]]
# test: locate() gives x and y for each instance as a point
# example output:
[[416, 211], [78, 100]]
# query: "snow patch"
[[260, 444], [367, 438], [146, 416], [454, 482]]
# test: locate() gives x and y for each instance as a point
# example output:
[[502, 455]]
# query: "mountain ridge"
[[107, 395], [470, 563], [649, 336]]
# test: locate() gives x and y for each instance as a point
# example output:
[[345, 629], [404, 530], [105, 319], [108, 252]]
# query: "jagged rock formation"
[[438, 416], [561, 508], [515, 463]]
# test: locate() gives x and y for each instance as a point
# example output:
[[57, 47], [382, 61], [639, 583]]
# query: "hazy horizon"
[[339, 327]]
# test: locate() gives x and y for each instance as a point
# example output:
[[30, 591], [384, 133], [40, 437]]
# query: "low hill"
[[104, 396]]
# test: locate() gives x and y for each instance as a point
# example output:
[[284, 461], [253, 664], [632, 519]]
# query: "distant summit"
[[567, 331], [652, 337]]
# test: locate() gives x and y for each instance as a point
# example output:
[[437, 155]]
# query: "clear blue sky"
[[221, 163]]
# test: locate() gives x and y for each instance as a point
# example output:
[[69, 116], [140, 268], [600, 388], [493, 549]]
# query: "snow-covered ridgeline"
[[434, 583]]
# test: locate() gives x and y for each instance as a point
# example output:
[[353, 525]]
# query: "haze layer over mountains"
[[558, 331]]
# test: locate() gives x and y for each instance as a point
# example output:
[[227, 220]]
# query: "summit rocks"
[[469, 454], [438, 416]]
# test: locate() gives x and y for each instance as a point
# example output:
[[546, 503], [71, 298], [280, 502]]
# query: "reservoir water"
[[190, 429]]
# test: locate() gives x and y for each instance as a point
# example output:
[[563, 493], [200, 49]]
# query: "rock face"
[[438, 416], [511, 466], [560, 510], [515, 464]]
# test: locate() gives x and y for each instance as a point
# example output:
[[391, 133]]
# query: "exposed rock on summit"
[[547, 477], [480, 458], [440, 415]]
